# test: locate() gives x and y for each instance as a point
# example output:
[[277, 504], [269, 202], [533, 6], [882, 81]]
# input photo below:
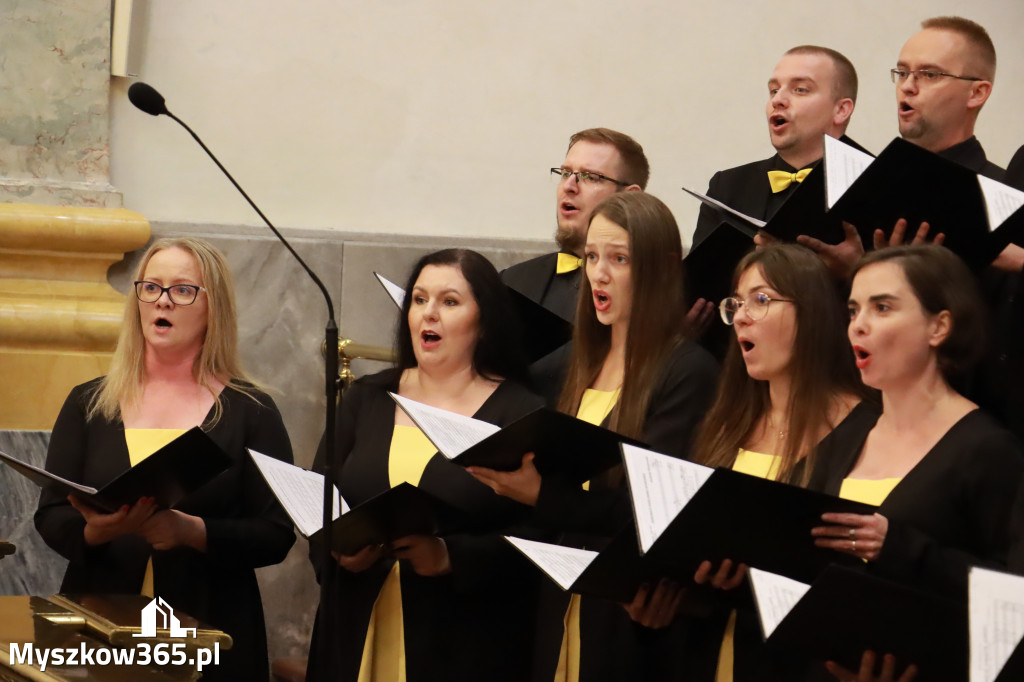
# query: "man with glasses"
[[598, 163], [811, 93]]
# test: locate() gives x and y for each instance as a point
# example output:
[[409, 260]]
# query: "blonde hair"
[[217, 361]]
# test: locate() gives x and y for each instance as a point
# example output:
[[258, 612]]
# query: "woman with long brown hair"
[[788, 382], [632, 370]]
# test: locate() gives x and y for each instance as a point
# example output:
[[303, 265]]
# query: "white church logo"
[[160, 610]]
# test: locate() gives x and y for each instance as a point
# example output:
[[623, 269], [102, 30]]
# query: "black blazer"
[[536, 279], [472, 624], [951, 511], [245, 525]]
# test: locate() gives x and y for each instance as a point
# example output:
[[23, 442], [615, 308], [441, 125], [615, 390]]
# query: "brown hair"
[[844, 83], [655, 320], [634, 161], [976, 36], [822, 368], [941, 281]]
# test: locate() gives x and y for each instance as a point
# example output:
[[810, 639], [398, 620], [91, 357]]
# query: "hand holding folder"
[[167, 476]]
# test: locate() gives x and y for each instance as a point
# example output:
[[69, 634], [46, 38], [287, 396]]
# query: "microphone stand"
[[149, 100]]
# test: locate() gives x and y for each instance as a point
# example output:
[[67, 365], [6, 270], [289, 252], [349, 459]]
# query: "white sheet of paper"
[[716, 203], [396, 292], [996, 615], [300, 492], [1001, 201], [660, 486], [776, 595], [451, 433], [843, 165], [563, 564]]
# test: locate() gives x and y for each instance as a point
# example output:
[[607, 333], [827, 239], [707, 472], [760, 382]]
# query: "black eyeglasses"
[[180, 294], [925, 76], [589, 177]]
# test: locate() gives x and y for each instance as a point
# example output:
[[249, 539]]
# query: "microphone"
[[146, 98]]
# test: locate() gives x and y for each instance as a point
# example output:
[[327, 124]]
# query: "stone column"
[[54, 103]]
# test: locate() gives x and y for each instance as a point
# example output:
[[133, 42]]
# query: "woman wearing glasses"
[[788, 383], [943, 473], [457, 607], [176, 366], [632, 370]]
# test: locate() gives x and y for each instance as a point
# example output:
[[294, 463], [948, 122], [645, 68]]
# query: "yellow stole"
[[384, 648], [595, 406], [141, 444], [763, 466]]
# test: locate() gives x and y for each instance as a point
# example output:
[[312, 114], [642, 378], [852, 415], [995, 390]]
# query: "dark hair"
[[822, 368], [941, 281], [976, 36], [656, 311], [499, 350], [634, 161], [844, 84]]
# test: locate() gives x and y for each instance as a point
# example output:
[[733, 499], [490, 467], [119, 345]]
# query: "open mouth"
[[746, 346], [863, 357], [602, 301], [905, 108], [430, 337], [568, 207], [163, 322], [778, 120]]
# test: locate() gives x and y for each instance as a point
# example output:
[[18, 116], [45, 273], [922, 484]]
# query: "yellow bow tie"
[[567, 262], [780, 180]]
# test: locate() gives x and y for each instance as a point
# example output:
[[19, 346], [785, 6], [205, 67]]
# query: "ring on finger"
[[853, 533], [853, 546]]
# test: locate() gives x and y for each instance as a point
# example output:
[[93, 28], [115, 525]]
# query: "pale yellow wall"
[[441, 117]]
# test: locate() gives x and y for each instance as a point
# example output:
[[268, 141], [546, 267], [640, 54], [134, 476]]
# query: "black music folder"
[[709, 266], [846, 612], [170, 474], [686, 513], [396, 512], [564, 445], [910, 182], [393, 514], [543, 330]]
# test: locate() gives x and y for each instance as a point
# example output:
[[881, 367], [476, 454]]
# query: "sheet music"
[[776, 596], [564, 564], [396, 292], [996, 613], [300, 492], [714, 203], [1001, 201], [660, 487], [451, 433], [843, 165], [42, 477]]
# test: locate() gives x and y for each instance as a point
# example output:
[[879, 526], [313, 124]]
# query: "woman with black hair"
[[427, 608]]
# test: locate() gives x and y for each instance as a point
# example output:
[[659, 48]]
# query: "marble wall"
[[54, 103]]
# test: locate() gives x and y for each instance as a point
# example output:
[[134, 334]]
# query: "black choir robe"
[[472, 624], [246, 528], [537, 280], [613, 647], [951, 511]]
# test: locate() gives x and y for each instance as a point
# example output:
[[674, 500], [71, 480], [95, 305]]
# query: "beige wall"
[[435, 117]]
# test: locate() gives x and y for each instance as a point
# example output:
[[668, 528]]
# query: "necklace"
[[771, 427]]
